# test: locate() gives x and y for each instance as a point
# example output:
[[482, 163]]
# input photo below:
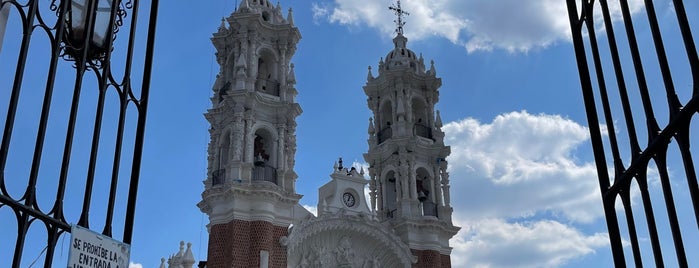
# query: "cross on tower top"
[[399, 12]]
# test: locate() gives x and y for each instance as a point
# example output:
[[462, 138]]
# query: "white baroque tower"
[[409, 182], [249, 193]]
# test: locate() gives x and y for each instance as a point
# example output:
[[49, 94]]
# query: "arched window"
[[425, 189], [421, 118], [267, 81], [264, 155], [390, 194], [219, 173], [386, 119]]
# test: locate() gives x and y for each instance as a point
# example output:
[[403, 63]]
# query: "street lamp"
[[90, 19]]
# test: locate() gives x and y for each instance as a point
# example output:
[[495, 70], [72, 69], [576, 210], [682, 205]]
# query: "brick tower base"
[[238, 244], [431, 259]]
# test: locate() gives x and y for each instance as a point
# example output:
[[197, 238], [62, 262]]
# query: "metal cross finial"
[[399, 12]]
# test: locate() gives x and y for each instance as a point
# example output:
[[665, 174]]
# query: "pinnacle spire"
[[400, 12], [290, 17]]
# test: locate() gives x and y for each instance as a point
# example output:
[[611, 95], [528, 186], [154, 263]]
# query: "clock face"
[[348, 199]]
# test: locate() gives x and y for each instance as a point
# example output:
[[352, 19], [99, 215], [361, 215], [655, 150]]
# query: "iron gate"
[[69, 89], [626, 74]]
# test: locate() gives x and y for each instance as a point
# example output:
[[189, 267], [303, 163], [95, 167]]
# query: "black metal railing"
[[264, 173], [429, 208], [218, 177], [38, 154], [670, 141], [385, 134], [422, 131]]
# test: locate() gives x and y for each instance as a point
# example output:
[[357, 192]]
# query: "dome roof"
[[270, 13], [402, 57], [264, 3]]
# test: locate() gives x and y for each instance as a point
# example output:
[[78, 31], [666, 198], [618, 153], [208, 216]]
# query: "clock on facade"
[[348, 199]]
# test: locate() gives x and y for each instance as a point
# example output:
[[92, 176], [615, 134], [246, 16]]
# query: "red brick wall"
[[238, 244], [431, 259]]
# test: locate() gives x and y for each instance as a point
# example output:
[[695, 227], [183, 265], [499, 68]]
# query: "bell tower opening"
[[420, 117], [385, 119], [219, 175], [425, 192], [267, 81], [390, 194], [265, 158]]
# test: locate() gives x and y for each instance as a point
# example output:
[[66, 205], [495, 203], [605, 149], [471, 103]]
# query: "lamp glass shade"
[[78, 21]]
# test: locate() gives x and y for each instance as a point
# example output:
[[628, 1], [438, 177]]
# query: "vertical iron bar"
[[661, 163], [651, 124], [682, 138], [87, 197], [595, 134], [604, 96], [672, 101], [141, 125], [642, 180], [57, 208], [688, 43], [123, 105], [22, 217], [631, 223], [16, 88], [619, 72]]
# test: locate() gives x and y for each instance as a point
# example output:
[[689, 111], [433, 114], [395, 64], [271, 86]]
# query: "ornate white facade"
[[250, 196]]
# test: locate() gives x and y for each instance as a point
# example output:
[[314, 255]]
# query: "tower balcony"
[[218, 177], [424, 131], [267, 86], [384, 134], [263, 172]]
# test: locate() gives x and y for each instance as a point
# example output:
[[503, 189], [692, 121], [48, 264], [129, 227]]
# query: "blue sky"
[[523, 180]]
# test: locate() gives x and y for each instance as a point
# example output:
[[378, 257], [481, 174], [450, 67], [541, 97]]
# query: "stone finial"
[[438, 121], [188, 257], [372, 130], [181, 252], [369, 76], [162, 263], [222, 27], [290, 17], [432, 69]]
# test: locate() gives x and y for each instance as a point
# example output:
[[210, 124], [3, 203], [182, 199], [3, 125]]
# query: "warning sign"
[[89, 249]]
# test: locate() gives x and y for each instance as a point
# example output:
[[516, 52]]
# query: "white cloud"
[[520, 165], [135, 265], [522, 191], [512, 25], [545, 243], [312, 209]]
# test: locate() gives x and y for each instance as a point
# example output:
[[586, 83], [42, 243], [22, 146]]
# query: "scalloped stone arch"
[[345, 240]]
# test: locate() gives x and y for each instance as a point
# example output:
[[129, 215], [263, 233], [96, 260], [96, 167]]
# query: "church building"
[[250, 198]]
